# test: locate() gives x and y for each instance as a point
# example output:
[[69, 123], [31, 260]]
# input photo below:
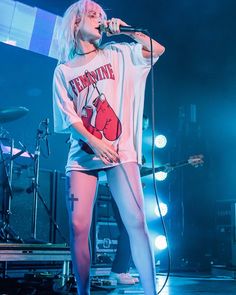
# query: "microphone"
[[46, 122], [123, 29], [47, 132]]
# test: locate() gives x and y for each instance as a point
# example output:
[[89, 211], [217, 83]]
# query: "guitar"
[[195, 161]]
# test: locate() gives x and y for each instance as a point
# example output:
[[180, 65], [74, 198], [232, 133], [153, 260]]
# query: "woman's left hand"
[[113, 26]]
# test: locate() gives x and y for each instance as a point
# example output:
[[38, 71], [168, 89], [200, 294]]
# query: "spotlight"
[[160, 242], [163, 208], [160, 176], [160, 141]]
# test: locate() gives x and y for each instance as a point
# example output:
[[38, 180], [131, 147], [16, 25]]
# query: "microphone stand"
[[35, 185], [41, 135]]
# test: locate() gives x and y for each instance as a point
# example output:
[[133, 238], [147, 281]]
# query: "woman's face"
[[87, 26]]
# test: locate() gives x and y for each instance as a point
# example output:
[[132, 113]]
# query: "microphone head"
[[103, 29], [45, 121]]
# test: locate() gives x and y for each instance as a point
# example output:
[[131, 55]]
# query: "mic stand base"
[[8, 235]]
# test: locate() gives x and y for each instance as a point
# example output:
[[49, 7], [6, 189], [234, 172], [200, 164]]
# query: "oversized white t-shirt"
[[107, 95]]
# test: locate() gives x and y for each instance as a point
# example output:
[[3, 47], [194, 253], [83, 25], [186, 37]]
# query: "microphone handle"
[[131, 29], [128, 29]]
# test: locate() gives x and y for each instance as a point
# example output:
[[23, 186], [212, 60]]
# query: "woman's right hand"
[[104, 151]]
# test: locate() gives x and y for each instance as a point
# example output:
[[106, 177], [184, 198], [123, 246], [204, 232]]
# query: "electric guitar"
[[195, 161]]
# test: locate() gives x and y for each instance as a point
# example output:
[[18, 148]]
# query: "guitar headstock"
[[196, 160]]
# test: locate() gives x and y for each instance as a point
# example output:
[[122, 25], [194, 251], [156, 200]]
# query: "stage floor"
[[184, 284]]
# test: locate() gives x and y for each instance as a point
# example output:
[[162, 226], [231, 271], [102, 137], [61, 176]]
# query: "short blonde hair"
[[66, 36]]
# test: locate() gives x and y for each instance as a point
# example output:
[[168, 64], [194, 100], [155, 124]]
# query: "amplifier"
[[103, 210], [22, 204], [105, 243], [225, 245], [61, 215], [104, 191], [234, 234], [107, 234]]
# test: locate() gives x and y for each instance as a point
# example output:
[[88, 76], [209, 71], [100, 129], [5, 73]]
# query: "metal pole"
[[35, 183]]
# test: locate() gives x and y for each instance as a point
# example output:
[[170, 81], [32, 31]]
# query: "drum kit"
[[8, 153], [7, 156]]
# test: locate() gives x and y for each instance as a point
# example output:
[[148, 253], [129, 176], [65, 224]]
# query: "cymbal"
[[12, 113]]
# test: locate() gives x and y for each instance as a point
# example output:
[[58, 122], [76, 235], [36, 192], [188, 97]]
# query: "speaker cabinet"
[[61, 215], [226, 232], [22, 204], [234, 234]]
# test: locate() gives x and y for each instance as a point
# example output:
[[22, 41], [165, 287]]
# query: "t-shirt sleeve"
[[64, 112], [137, 55], [135, 50]]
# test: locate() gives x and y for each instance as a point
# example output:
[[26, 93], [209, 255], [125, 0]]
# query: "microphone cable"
[[153, 166], [105, 29]]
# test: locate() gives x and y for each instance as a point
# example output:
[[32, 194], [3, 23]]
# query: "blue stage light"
[[160, 141], [163, 208], [160, 176], [160, 242]]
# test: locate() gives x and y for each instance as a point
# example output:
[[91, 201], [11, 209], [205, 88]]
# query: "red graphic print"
[[106, 119], [86, 117], [106, 122]]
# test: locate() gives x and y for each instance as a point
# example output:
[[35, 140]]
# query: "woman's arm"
[[114, 29], [143, 39]]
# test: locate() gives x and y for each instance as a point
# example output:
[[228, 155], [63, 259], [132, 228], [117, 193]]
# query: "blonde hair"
[[66, 34]]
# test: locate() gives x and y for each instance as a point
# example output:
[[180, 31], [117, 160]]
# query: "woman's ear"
[[77, 22], [76, 28]]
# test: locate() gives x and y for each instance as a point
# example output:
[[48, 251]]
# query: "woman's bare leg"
[[81, 190], [125, 185]]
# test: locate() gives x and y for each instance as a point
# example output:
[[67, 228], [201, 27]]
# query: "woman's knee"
[[137, 222], [80, 228]]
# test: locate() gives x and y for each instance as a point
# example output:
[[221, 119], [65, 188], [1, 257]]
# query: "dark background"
[[198, 68]]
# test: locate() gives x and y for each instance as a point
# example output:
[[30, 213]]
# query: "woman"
[[98, 95]]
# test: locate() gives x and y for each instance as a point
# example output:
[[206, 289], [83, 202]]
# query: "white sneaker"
[[136, 280], [122, 278]]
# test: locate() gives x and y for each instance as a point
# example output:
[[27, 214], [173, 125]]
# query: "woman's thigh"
[[126, 188], [80, 195]]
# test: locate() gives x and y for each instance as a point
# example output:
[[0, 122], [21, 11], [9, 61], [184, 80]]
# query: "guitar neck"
[[166, 167]]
